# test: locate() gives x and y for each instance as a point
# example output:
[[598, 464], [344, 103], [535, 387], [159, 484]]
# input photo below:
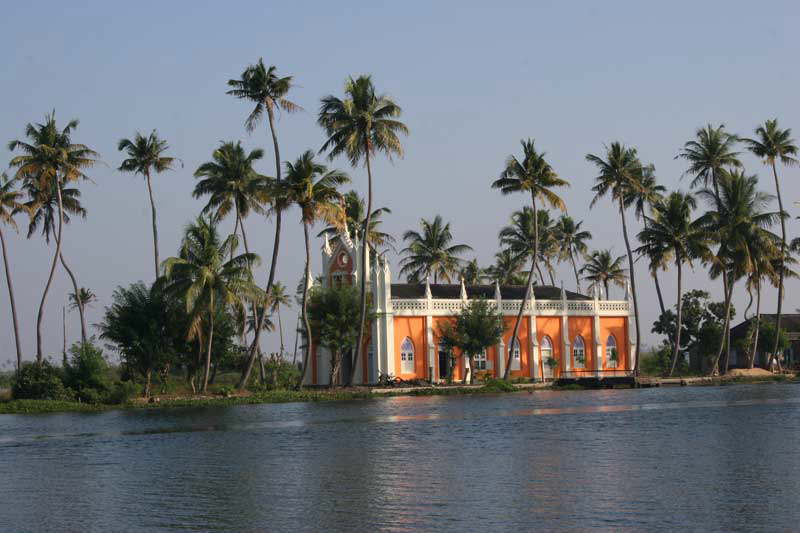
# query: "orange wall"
[[438, 322], [413, 327], [550, 326], [581, 325], [616, 326], [523, 337]]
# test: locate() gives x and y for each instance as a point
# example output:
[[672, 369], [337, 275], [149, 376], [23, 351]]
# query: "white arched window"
[[612, 355], [480, 361], [515, 355], [549, 362], [407, 356], [579, 352]]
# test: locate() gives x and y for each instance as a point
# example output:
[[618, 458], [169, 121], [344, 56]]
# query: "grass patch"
[[12, 407]]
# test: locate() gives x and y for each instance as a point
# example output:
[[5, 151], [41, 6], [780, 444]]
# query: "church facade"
[[562, 333]]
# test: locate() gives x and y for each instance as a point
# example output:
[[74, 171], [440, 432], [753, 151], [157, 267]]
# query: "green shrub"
[[90, 396], [498, 385], [87, 369], [121, 392], [40, 382]]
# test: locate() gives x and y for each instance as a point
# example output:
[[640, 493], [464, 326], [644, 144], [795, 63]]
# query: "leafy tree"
[[333, 314], [571, 241], [359, 125], [314, 189], [431, 252], [87, 373], [40, 381], [672, 236], [201, 277], [478, 327], [774, 144], [141, 323], [263, 87], [602, 267], [619, 175], [146, 155], [49, 161], [532, 175], [472, 273], [10, 205]]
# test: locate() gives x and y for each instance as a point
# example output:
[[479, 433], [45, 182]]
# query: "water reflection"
[[713, 458]]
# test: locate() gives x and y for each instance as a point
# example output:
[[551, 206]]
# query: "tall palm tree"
[[42, 208], [314, 189], [202, 277], [764, 265], [648, 193], [709, 154], [431, 253], [735, 219], [82, 298], [602, 267], [10, 205], [358, 126], [279, 298], [571, 240], [619, 176], [518, 237], [531, 175], [146, 155], [472, 273], [507, 268], [355, 215], [263, 87], [774, 144], [672, 235], [51, 160]]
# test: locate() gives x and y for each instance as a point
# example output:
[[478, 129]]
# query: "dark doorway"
[[443, 363]]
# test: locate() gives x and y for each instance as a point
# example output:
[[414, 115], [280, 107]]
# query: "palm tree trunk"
[[306, 324], [605, 284], [363, 277], [11, 299], [754, 351], [254, 307], [153, 215], [56, 255], [575, 270], [550, 273], [539, 271], [64, 336], [296, 337], [633, 284], [207, 369], [725, 324], [78, 302], [280, 327], [515, 331], [780, 272], [679, 308], [273, 264]]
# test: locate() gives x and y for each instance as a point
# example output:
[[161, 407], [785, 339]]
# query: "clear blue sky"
[[473, 79]]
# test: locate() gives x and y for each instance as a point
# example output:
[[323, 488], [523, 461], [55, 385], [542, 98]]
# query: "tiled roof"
[[453, 291], [789, 322]]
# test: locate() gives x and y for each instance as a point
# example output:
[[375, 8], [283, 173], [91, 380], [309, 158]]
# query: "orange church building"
[[562, 333]]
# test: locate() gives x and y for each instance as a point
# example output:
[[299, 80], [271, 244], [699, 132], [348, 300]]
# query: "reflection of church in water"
[[561, 333]]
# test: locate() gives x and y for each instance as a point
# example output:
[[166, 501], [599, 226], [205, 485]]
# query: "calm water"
[[707, 458]]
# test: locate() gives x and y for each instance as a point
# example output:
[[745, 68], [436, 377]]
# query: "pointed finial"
[[346, 236], [327, 246], [310, 280], [428, 294], [595, 293], [497, 295], [463, 290], [563, 292], [627, 290]]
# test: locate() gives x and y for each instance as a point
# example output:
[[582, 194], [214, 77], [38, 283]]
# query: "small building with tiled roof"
[[790, 357]]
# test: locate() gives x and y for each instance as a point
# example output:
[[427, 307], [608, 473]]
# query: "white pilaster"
[[500, 352], [429, 333], [565, 343], [533, 344], [631, 334], [598, 348]]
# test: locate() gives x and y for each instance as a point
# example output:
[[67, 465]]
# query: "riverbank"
[[9, 406]]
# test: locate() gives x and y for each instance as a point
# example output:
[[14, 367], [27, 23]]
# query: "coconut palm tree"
[[472, 273], [355, 215], [647, 194], [619, 175], [518, 238], [774, 144], [602, 267], [735, 218], [507, 268], [315, 190], [42, 208], [571, 241], [358, 126], [146, 155], [201, 276], [431, 253], [10, 205], [531, 175], [279, 298], [672, 236], [263, 87], [764, 265], [82, 298], [51, 160]]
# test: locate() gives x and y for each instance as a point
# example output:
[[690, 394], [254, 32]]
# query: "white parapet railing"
[[449, 307]]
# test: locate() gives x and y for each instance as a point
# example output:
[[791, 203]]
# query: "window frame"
[[612, 346], [407, 356], [579, 351]]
